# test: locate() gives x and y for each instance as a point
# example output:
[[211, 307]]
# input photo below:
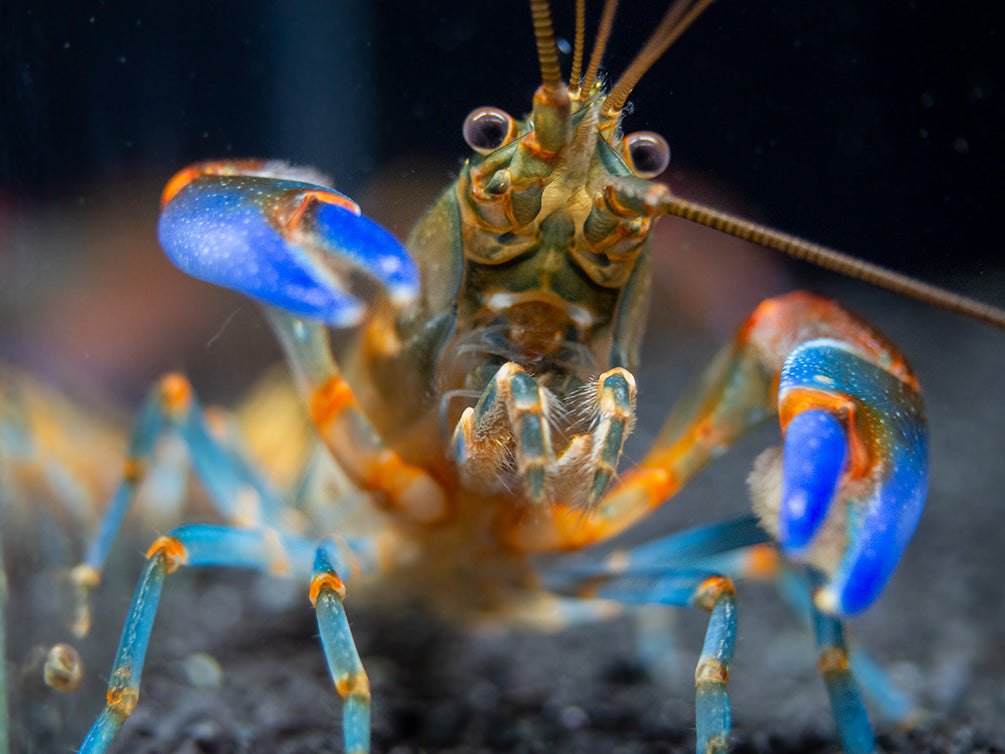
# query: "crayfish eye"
[[488, 128], [647, 153]]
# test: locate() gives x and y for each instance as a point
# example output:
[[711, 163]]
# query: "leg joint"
[[711, 671], [326, 580], [122, 700], [832, 660], [176, 393], [171, 550], [711, 591], [354, 684]]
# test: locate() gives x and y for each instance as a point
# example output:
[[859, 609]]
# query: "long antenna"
[[658, 200]]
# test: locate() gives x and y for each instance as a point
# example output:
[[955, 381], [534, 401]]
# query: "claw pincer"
[[855, 435], [288, 243]]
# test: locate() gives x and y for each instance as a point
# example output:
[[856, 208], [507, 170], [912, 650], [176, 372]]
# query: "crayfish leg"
[[262, 549], [346, 430], [239, 494]]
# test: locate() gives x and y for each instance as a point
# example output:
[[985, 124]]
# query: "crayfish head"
[[551, 258], [566, 157]]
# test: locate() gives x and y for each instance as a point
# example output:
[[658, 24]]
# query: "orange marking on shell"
[[546, 98], [711, 590], [330, 400], [408, 488], [172, 550], [325, 197], [711, 671], [132, 470], [356, 684], [832, 660], [657, 482], [611, 203], [389, 473], [798, 400], [331, 197], [578, 529], [778, 321], [212, 167], [571, 528], [179, 181], [122, 699], [762, 561], [715, 586], [326, 580], [176, 392]]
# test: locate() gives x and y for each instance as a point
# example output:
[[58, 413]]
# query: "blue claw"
[[886, 495], [885, 525], [294, 245], [815, 454]]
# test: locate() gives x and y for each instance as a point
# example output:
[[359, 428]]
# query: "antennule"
[[547, 50], [678, 18], [599, 46], [577, 50]]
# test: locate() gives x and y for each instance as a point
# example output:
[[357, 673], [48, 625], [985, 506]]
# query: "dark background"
[[875, 127]]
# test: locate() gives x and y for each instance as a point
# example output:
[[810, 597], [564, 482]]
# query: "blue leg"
[[351, 682], [196, 545], [716, 595], [893, 703], [696, 568], [240, 495], [846, 701], [711, 592], [797, 589], [723, 548], [124, 684]]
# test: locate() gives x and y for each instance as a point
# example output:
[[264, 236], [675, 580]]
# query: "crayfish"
[[482, 385]]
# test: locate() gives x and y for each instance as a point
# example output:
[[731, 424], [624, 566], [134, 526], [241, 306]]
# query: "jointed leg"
[[240, 495], [345, 429], [124, 684], [260, 549], [512, 405], [512, 420], [716, 595], [596, 455], [741, 550], [796, 586], [676, 571], [697, 567], [846, 700], [351, 682]]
